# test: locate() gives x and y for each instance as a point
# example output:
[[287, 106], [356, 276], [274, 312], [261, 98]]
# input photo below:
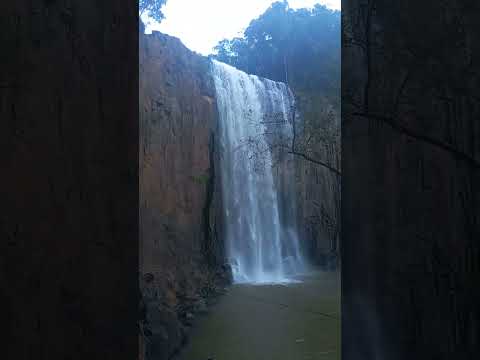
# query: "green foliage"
[[152, 7], [300, 47], [200, 179]]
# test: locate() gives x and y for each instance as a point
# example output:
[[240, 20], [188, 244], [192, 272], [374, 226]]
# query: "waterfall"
[[261, 237]]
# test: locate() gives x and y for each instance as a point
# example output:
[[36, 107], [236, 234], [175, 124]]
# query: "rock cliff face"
[[411, 180], [179, 253], [318, 187]]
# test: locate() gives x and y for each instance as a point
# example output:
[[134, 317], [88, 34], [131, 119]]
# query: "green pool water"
[[298, 321]]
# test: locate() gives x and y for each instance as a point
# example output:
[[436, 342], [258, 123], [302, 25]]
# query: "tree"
[[151, 7]]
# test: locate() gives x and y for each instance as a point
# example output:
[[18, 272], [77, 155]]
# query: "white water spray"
[[261, 248]]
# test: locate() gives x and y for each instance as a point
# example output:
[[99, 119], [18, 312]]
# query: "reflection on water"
[[295, 321]]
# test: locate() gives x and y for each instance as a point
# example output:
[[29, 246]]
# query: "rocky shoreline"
[[164, 326]]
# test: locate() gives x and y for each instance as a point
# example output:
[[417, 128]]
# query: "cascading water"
[[262, 246]]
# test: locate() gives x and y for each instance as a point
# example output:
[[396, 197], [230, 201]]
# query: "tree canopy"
[[301, 47], [152, 7]]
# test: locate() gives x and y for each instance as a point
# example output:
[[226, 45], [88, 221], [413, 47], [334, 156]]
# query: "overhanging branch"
[[315, 161]]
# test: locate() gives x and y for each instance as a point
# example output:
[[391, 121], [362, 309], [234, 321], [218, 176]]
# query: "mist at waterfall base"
[[262, 244]]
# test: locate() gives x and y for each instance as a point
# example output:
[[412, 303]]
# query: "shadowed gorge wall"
[[180, 256], [318, 187], [411, 175], [69, 198]]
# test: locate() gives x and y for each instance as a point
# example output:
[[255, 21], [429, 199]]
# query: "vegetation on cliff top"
[[300, 47]]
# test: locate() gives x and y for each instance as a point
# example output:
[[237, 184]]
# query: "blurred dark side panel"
[[410, 179], [69, 179]]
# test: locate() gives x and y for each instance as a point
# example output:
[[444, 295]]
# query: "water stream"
[[261, 236]]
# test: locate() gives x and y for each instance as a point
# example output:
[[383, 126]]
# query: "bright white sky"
[[201, 24]]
